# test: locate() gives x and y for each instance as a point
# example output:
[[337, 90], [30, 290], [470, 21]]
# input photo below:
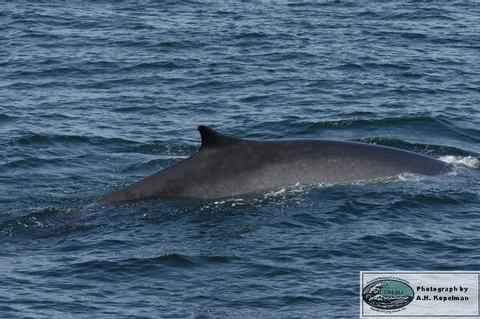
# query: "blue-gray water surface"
[[97, 94]]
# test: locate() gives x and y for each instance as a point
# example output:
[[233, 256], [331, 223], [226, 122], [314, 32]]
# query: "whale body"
[[225, 167]]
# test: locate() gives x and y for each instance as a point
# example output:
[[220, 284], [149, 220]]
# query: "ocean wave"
[[429, 125], [29, 162], [53, 72], [166, 150], [36, 139], [40, 223], [157, 66], [6, 118], [141, 264]]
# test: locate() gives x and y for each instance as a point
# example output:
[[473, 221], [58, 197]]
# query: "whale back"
[[226, 166]]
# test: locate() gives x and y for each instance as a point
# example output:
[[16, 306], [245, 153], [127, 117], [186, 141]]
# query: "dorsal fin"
[[211, 138]]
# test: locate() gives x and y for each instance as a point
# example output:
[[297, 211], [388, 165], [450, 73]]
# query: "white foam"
[[231, 201], [286, 191], [468, 161], [276, 193], [409, 177]]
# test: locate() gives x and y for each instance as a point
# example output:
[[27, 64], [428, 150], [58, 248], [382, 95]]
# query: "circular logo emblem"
[[388, 294]]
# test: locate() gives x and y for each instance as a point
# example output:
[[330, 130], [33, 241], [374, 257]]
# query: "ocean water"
[[97, 94]]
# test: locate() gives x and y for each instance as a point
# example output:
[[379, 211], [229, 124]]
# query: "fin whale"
[[226, 166]]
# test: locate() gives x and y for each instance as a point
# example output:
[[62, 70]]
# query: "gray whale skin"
[[226, 167]]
